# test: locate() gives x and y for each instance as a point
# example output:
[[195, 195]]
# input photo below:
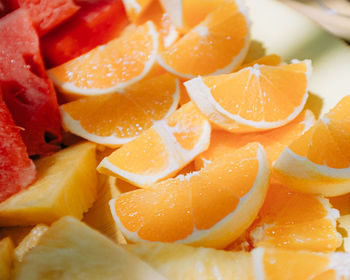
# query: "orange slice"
[[110, 67], [186, 14], [278, 264], [117, 118], [162, 150], [207, 208], [216, 46], [319, 160], [253, 98], [274, 141], [167, 30], [135, 8], [297, 221]]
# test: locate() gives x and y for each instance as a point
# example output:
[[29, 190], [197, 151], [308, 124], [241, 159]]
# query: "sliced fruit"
[[210, 208], [278, 264], [110, 67], [117, 118], [72, 250], [17, 171], [254, 98], [216, 46], [135, 8], [296, 221], [344, 226], [319, 160], [30, 241], [99, 217], [167, 30], [96, 23], [6, 258], [274, 141], [188, 13], [178, 261], [161, 151], [66, 185], [46, 14], [26, 89]]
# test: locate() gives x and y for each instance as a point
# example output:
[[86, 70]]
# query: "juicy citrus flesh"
[[201, 207], [274, 141], [253, 98], [217, 45], [161, 151], [110, 67], [320, 157], [296, 221], [114, 119]]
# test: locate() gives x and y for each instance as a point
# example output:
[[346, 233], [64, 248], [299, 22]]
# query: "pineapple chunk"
[[6, 258], [30, 241], [66, 185], [72, 250], [99, 216], [178, 261]]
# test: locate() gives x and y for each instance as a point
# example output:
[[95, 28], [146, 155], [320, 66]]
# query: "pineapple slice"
[[66, 185], [6, 258], [178, 261], [99, 216], [72, 250], [30, 241]]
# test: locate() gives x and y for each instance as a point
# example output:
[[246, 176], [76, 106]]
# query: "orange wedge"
[[278, 264], [319, 160], [211, 207], [162, 150], [115, 119], [271, 59], [297, 221], [135, 8], [216, 46], [110, 67], [167, 30], [186, 14], [274, 141], [253, 98]]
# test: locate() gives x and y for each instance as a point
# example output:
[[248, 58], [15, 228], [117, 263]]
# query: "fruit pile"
[[138, 141]]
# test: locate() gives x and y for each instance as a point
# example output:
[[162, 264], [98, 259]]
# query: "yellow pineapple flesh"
[[6, 258], [30, 241], [66, 185], [178, 261], [72, 250]]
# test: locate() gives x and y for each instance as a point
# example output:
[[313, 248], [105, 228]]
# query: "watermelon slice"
[[17, 171], [26, 89], [46, 14], [94, 24]]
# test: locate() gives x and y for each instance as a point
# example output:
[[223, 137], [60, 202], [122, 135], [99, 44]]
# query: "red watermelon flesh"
[[46, 14], [26, 89], [94, 24], [17, 171]]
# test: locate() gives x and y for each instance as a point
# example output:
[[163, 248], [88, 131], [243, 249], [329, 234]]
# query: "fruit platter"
[[172, 139]]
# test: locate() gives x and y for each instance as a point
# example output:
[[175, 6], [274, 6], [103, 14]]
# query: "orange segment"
[[110, 67], [188, 13], [297, 221], [215, 46], [210, 207], [319, 161], [167, 30], [272, 60], [115, 119], [274, 141], [253, 98], [162, 150], [135, 8]]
